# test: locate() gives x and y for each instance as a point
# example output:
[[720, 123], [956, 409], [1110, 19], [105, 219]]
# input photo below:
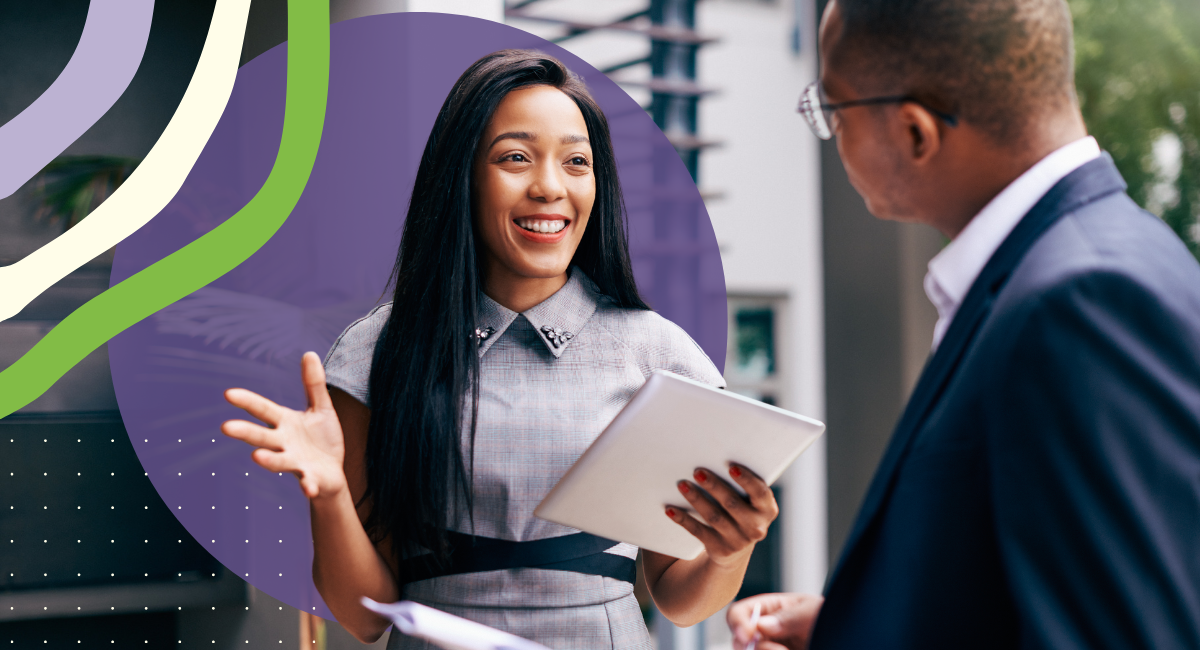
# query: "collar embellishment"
[[555, 336], [556, 322], [482, 334]]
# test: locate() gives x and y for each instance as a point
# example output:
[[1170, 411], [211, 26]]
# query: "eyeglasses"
[[819, 115]]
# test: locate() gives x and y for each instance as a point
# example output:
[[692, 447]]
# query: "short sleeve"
[[658, 344], [348, 364], [685, 357]]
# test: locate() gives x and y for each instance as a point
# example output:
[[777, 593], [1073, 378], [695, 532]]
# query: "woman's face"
[[533, 186]]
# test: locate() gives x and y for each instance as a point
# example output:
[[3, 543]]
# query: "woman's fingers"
[[305, 443], [698, 530], [751, 520], [733, 503], [253, 434], [273, 461], [316, 478], [757, 490], [256, 405], [313, 375], [712, 512], [735, 523], [309, 484]]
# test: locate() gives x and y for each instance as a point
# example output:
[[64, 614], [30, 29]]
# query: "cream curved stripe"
[[156, 180]]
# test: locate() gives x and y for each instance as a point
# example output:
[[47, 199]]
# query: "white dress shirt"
[[954, 270]]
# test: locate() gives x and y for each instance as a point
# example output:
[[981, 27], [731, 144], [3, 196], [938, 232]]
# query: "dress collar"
[[557, 319]]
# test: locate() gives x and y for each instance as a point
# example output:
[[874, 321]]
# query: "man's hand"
[[786, 622]]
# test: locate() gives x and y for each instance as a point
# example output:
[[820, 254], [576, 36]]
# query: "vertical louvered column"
[[674, 94]]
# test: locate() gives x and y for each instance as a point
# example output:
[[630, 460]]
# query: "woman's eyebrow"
[[515, 135], [532, 137]]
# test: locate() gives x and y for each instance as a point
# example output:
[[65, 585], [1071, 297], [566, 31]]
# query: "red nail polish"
[[671, 513], [699, 475], [684, 487], [735, 471]]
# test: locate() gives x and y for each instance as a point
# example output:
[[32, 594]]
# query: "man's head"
[[1003, 68]]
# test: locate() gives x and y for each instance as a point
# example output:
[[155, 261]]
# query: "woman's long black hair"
[[424, 383]]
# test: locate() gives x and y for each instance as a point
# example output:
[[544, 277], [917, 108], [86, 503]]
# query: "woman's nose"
[[546, 185]]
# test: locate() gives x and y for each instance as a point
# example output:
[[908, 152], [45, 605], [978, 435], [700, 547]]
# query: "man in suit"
[[1042, 488]]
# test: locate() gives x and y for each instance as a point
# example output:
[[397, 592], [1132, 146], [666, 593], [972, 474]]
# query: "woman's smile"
[[543, 228]]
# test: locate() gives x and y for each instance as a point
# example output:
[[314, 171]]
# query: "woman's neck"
[[520, 293]]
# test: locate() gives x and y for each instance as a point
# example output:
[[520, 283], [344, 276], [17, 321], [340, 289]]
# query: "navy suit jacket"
[[1042, 488]]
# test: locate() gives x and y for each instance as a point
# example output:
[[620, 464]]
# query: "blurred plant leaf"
[[1137, 69], [255, 327], [70, 187]]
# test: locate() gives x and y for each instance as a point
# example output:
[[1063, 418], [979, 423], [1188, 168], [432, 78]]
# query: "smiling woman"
[[535, 188], [514, 336]]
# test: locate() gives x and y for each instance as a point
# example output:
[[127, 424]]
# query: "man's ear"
[[923, 134]]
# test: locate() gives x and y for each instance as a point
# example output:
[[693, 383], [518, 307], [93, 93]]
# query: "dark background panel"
[[79, 509], [149, 631]]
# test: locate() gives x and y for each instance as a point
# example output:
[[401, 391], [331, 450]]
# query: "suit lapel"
[[1092, 181]]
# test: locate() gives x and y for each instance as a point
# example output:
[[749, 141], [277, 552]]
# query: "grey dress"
[[551, 379]]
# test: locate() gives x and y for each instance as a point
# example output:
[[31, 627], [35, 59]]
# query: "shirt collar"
[[491, 320], [955, 269], [557, 319]]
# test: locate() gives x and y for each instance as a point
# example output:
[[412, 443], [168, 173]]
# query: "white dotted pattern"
[[87, 516]]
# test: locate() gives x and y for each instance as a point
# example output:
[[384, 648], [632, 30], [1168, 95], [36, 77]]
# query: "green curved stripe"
[[216, 253]]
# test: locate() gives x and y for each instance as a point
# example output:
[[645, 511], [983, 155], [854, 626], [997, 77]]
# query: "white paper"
[[447, 630]]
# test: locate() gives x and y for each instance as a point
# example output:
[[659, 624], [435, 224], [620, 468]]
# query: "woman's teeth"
[[542, 225]]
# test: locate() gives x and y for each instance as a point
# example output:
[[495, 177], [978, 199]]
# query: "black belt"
[[578, 552]]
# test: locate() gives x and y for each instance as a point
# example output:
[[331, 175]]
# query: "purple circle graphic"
[[329, 263]]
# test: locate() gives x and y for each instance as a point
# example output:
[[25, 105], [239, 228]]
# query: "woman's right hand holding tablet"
[[306, 443]]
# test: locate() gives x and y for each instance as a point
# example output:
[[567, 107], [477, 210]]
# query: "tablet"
[[620, 487]]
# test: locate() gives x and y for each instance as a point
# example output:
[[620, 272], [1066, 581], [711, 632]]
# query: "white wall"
[[768, 221]]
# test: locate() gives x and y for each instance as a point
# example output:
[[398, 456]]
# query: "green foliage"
[[1138, 76], [70, 187], [756, 340]]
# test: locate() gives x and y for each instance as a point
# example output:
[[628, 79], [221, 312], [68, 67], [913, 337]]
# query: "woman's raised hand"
[[735, 522], [308, 444]]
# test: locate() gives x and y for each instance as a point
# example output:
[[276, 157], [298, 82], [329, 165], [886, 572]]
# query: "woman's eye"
[[578, 161], [516, 157]]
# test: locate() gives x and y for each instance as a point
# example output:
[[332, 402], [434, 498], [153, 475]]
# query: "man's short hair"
[[993, 63]]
